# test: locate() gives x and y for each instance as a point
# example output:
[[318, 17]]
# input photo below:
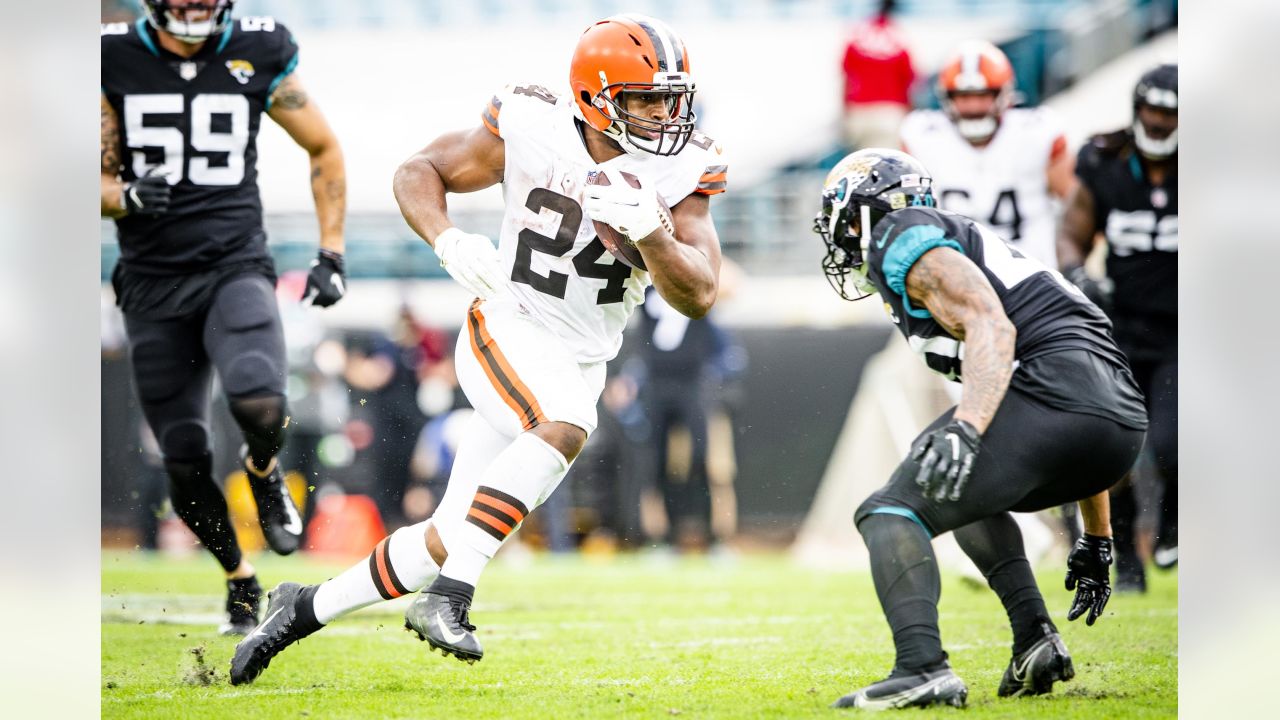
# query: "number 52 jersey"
[[196, 121], [561, 273]]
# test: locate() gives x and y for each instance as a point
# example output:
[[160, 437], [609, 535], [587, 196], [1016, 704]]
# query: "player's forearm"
[[682, 274], [329, 188], [988, 367], [420, 192], [1096, 513], [112, 187]]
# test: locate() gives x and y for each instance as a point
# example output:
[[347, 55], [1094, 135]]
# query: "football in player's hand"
[[615, 242]]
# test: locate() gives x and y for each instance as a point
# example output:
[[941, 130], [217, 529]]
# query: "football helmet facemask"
[[858, 192], [172, 17], [634, 54], [977, 66], [1157, 88]]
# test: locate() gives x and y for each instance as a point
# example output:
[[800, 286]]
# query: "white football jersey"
[[561, 273], [1003, 185]]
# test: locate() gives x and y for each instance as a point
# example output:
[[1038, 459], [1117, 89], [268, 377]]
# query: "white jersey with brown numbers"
[[560, 271], [1003, 184]]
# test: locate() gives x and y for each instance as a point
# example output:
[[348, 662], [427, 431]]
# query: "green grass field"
[[626, 637]]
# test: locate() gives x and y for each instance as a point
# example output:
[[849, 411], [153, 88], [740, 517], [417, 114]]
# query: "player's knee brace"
[[252, 372], [261, 419], [183, 440]]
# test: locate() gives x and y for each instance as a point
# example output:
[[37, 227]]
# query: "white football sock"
[[398, 565], [515, 483]]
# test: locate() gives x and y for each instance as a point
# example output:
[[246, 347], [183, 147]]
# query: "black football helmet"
[[171, 17], [860, 190], [1156, 88]]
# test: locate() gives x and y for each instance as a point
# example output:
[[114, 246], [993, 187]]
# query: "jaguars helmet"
[[1157, 88], [859, 191], [173, 17]]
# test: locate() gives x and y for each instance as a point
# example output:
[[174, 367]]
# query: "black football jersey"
[[1140, 222], [197, 119], [1052, 316]]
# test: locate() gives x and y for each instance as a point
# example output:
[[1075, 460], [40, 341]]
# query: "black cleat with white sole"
[[1036, 669], [439, 615], [910, 689], [282, 627], [244, 598], [277, 514]]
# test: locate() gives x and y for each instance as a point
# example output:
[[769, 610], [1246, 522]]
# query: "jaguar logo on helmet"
[[859, 191]]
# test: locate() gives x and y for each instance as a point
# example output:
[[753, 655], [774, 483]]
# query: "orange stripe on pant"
[[513, 392]]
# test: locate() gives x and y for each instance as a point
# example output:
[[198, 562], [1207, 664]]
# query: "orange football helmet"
[[634, 53], [977, 66]]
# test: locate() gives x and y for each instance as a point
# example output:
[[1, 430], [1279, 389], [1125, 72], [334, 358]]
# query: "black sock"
[[1124, 517], [200, 504], [304, 611], [906, 577], [453, 589], [995, 546]]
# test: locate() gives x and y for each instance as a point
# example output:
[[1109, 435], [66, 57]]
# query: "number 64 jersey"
[[196, 121], [561, 273]]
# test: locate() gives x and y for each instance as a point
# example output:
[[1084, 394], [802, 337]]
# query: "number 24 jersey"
[[560, 271]]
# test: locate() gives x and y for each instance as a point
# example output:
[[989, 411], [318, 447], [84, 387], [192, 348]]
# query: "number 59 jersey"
[[560, 271], [195, 120]]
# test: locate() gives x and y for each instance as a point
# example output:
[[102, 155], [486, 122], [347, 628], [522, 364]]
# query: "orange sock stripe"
[[384, 576], [490, 520], [510, 388], [497, 504]]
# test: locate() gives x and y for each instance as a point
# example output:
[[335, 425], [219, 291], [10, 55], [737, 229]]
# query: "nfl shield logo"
[[187, 70]]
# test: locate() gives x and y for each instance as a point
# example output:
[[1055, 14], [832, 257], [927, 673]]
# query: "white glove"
[[634, 212], [471, 260]]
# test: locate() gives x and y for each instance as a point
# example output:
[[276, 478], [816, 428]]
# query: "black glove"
[[1089, 574], [327, 281], [148, 195], [1098, 291], [946, 458]]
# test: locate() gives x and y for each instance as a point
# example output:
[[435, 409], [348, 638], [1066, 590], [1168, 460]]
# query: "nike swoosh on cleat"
[[294, 525], [1020, 673], [446, 632], [258, 631]]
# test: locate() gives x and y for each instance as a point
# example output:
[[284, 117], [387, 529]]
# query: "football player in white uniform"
[[550, 309], [990, 161]]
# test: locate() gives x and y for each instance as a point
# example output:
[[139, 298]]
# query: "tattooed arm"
[[299, 116], [961, 299], [111, 184], [1078, 230]]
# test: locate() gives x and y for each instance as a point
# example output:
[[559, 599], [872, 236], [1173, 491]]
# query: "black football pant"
[[668, 405], [1159, 383], [239, 335], [1033, 457]]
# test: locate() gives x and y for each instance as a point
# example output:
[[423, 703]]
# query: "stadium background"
[[391, 74]]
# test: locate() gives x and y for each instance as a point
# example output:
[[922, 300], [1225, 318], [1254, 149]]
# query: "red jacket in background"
[[877, 65]]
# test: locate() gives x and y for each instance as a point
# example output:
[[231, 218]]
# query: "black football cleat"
[[909, 689], [244, 597], [1035, 670], [278, 631], [442, 621], [281, 523]]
